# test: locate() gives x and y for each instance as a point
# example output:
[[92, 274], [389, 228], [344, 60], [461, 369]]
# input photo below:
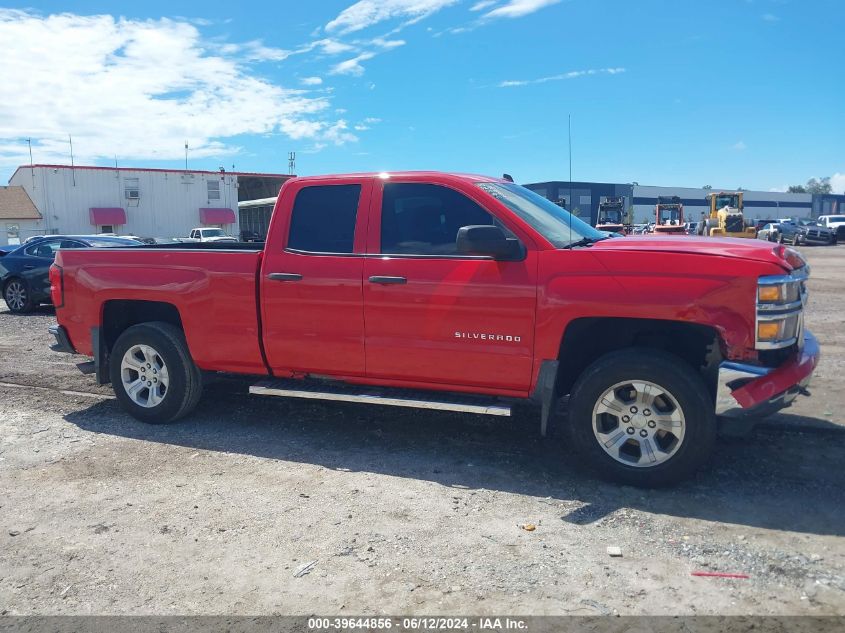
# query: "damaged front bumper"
[[743, 389]]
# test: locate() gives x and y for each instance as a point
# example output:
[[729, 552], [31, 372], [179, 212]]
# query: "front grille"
[[734, 224]]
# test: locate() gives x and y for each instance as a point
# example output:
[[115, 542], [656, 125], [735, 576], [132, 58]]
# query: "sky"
[[728, 93]]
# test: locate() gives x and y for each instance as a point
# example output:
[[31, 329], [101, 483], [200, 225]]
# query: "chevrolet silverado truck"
[[455, 292]]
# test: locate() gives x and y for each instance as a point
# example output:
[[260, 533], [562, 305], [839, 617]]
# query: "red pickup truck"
[[456, 292]]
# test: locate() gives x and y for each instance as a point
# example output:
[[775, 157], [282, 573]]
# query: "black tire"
[[11, 289], [672, 374], [780, 238], [184, 387]]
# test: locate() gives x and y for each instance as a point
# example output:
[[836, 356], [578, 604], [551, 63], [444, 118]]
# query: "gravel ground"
[[261, 506]]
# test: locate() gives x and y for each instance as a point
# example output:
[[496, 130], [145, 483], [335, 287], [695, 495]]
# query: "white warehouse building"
[[82, 200]]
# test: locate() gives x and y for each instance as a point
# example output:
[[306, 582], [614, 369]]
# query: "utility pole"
[[72, 172], [31, 167], [186, 155]]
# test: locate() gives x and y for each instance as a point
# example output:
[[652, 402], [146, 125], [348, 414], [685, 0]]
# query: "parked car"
[[210, 235], [768, 232], [797, 231], [835, 223], [162, 240], [475, 293], [251, 236], [24, 270], [759, 224]]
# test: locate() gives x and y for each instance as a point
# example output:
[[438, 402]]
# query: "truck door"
[[312, 306], [433, 315]]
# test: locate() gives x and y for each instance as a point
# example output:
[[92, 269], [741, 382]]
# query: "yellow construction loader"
[[726, 218]]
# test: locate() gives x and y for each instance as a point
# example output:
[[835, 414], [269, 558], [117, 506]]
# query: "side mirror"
[[487, 240]]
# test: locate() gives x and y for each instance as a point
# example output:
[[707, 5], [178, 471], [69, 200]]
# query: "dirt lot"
[[403, 512]]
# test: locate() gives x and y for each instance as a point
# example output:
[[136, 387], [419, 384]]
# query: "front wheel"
[[152, 373], [642, 417]]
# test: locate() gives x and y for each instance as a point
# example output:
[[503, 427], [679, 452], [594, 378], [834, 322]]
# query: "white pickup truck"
[[210, 235]]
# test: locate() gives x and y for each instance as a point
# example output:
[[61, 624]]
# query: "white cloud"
[[366, 13], [366, 123], [480, 6], [351, 66], [837, 182], [138, 89], [770, 17], [568, 75], [338, 134], [739, 146], [311, 81], [518, 8]]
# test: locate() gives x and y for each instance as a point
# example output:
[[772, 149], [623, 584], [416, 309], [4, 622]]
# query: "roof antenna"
[[507, 177], [571, 210]]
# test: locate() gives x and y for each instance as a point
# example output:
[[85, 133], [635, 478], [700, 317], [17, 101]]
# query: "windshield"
[[727, 201], [671, 215], [554, 223], [213, 233], [610, 216], [114, 242]]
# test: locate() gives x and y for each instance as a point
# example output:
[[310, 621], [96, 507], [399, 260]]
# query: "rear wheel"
[[18, 297], [153, 375], [642, 417]]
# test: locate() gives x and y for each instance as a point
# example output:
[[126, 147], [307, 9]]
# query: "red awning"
[[113, 216], [217, 216]]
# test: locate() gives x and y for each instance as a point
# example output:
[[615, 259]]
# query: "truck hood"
[[750, 249]]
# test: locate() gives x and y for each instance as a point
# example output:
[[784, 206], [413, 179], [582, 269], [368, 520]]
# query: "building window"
[[107, 228], [131, 189], [213, 189], [13, 234]]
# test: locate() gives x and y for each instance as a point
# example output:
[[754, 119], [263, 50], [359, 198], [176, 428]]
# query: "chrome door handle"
[[387, 280], [284, 277]]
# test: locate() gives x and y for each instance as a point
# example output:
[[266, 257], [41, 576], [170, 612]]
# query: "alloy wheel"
[[639, 423], [16, 295], [144, 375]]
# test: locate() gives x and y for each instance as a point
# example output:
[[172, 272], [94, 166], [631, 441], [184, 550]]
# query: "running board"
[[342, 392]]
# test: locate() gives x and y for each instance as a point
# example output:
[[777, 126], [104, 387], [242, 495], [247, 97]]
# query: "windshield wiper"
[[586, 241]]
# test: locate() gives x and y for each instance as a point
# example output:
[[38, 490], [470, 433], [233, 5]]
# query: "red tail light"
[[57, 285]]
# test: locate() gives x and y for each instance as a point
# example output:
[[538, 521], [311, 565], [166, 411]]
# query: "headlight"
[[770, 294], [780, 309]]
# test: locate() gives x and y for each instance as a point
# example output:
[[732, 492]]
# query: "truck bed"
[[213, 287]]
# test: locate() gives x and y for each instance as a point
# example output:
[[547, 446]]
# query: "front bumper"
[[742, 388]]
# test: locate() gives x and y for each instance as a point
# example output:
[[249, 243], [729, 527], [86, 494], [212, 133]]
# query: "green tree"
[[797, 189], [821, 185]]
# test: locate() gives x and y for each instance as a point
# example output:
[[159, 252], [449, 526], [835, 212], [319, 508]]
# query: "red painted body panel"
[[334, 322], [315, 325], [214, 293]]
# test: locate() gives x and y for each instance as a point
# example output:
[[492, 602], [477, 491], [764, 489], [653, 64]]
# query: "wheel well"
[[119, 315], [587, 339]]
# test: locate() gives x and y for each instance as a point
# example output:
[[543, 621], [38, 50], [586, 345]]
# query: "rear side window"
[[421, 219], [323, 219]]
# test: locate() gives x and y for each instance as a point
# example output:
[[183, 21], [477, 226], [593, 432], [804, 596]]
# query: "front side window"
[[323, 219], [421, 219], [213, 233]]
